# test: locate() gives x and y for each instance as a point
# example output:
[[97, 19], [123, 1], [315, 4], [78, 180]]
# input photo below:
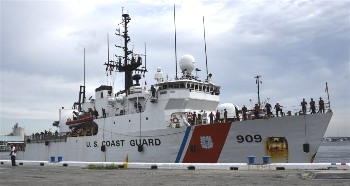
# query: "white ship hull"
[[211, 143]]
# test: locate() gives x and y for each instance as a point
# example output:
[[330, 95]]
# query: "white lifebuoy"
[[175, 120]]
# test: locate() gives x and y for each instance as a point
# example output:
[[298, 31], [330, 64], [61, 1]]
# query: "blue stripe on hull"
[[184, 141]]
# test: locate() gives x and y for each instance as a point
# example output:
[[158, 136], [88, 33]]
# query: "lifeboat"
[[80, 121]]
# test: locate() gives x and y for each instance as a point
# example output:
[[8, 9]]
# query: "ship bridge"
[[189, 94]]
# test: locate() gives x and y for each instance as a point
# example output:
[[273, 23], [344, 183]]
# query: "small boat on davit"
[[80, 121]]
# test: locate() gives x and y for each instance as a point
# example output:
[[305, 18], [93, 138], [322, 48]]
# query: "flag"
[[326, 89]]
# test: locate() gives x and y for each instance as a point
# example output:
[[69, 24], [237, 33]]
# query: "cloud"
[[296, 46]]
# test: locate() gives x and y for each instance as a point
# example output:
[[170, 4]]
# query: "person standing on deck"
[[268, 109], [217, 118], [303, 106], [95, 113], [321, 106], [211, 116], [244, 112], [256, 111], [104, 113], [278, 108], [312, 106], [225, 115], [194, 117]]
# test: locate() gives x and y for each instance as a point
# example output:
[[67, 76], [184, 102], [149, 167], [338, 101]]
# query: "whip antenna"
[[175, 45], [84, 69], [108, 48], [145, 58], [205, 49]]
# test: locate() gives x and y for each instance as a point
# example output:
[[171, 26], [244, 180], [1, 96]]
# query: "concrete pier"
[[76, 173]]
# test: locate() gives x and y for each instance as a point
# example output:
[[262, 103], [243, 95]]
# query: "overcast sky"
[[296, 46]]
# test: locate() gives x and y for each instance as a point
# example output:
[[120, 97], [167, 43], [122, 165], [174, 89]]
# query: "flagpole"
[[329, 102]]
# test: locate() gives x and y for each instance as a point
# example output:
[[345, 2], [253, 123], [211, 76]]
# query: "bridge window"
[[182, 85]]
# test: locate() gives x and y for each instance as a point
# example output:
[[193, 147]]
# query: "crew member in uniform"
[[303, 106], [194, 117], [95, 113], [312, 106], [217, 118], [278, 108], [321, 106], [256, 111], [244, 111], [225, 115], [268, 109], [153, 90], [211, 116]]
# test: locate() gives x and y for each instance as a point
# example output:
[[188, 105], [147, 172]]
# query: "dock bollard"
[[266, 160], [251, 160], [280, 168], [191, 167]]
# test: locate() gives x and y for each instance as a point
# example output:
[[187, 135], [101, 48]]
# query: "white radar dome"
[[187, 63], [230, 108]]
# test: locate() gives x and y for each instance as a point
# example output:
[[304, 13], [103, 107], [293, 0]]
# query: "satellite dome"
[[158, 76], [229, 107], [187, 63]]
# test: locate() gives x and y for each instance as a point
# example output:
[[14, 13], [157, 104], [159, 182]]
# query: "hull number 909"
[[249, 138]]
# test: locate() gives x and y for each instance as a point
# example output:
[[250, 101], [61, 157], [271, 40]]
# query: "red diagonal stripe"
[[196, 153]]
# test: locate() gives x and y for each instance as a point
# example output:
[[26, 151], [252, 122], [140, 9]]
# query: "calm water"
[[333, 152], [329, 152]]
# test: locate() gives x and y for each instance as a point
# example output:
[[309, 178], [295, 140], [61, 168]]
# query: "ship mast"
[[129, 62]]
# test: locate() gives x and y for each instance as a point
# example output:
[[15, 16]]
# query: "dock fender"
[[306, 147], [140, 148]]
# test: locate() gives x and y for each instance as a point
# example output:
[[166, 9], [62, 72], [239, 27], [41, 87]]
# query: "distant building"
[[16, 137]]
